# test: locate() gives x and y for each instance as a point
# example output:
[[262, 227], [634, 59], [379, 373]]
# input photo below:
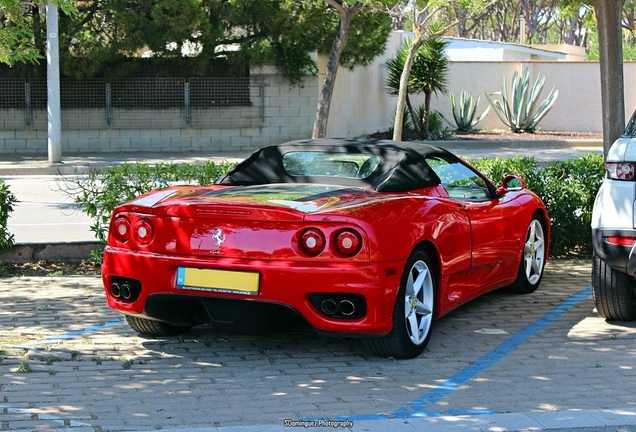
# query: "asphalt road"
[[45, 213]]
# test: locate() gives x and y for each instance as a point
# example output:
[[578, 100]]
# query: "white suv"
[[614, 232]]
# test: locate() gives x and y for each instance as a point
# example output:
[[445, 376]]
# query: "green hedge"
[[7, 200], [567, 188], [99, 192]]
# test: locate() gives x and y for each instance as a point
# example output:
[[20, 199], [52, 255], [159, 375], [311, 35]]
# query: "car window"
[[459, 180], [630, 130], [350, 165]]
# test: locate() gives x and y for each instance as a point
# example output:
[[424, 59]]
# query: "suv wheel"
[[613, 292]]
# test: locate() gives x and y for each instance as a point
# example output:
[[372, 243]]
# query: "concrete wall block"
[[260, 141], [14, 144], [291, 111], [270, 91], [293, 131], [287, 91], [241, 142], [36, 145], [230, 132], [252, 132], [85, 134], [300, 101], [270, 131], [280, 121], [271, 111], [170, 133], [279, 102], [70, 134], [301, 121]]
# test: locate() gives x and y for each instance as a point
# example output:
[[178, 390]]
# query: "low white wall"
[[362, 106], [578, 106]]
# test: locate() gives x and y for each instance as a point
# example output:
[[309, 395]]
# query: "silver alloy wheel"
[[418, 302], [534, 252]]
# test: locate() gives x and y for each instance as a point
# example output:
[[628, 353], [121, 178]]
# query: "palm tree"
[[428, 76]]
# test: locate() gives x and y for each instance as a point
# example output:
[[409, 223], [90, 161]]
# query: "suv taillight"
[[620, 241], [620, 170]]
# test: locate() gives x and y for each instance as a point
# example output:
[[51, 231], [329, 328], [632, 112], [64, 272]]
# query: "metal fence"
[[135, 103]]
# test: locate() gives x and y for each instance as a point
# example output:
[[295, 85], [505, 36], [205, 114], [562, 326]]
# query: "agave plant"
[[464, 112], [517, 109]]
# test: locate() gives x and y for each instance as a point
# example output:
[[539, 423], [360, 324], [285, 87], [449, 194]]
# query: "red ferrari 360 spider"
[[364, 238]]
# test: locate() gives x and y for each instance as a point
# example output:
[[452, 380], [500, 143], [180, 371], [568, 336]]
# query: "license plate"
[[227, 281]]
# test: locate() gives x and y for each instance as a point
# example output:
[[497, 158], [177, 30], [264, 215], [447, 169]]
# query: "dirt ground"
[[501, 135]]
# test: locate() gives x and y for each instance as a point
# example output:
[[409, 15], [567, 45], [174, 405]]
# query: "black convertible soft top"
[[402, 165]]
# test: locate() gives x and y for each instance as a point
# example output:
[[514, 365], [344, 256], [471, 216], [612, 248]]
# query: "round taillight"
[[121, 229], [143, 232], [348, 242], [620, 171], [312, 241]]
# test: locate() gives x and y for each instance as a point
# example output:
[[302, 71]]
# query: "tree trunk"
[[404, 85], [339, 43], [608, 16], [427, 114], [415, 118]]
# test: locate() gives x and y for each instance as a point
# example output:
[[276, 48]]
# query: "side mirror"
[[511, 182]]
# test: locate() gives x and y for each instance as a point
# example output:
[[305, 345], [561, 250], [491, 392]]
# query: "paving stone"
[[111, 379]]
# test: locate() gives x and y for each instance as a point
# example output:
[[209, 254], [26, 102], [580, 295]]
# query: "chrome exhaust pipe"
[[126, 293], [329, 306], [347, 307], [115, 290]]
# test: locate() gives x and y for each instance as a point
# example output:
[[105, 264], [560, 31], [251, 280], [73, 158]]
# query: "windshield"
[[349, 165]]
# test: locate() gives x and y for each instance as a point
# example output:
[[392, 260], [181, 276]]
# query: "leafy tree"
[[21, 35], [193, 34], [110, 38], [429, 20], [428, 76], [347, 11]]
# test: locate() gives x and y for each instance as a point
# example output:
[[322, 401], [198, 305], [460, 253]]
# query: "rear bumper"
[[284, 283], [622, 258]]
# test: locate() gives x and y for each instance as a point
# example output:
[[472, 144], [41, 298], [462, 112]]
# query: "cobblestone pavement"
[[535, 361]]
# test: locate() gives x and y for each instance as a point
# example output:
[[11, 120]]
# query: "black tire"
[[613, 292], [145, 326], [533, 259], [401, 343]]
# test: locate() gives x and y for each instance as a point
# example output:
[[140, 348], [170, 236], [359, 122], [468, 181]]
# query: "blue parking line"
[[416, 409], [55, 339]]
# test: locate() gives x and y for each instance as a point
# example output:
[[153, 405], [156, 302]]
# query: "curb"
[[591, 144], [58, 252]]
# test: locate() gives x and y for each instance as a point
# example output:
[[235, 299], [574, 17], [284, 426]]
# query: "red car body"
[[333, 248]]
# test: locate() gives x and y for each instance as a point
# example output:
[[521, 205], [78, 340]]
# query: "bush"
[[568, 190], [100, 192], [7, 200]]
